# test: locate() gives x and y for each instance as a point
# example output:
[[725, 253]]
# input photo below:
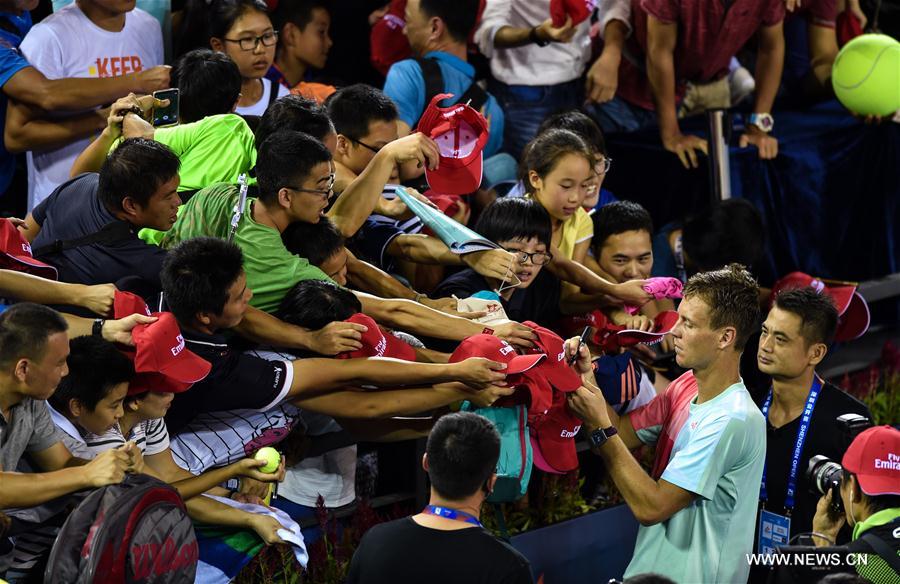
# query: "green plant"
[[550, 499], [878, 386]]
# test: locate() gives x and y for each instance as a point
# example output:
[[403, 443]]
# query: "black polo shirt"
[[539, 302], [824, 437], [73, 211], [237, 381]]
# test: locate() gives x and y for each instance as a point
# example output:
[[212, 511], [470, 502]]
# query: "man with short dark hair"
[[438, 33], [365, 120], [622, 244], [294, 174], [696, 506], [801, 409], [33, 350], [87, 228], [460, 459]]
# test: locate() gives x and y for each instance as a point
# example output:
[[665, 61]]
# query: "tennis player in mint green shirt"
[[698, 508]]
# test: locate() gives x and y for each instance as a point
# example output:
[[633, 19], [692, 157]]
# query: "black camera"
[[823, 473]]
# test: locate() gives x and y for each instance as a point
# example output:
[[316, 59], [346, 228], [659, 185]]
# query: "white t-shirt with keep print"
[[68, 44]]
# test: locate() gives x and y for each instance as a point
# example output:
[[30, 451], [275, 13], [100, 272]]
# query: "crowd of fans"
[[180, 295]]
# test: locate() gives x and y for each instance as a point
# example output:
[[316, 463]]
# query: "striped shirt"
[[150, 436]]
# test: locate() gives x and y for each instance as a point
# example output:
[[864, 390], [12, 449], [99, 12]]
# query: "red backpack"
[[135, 532]]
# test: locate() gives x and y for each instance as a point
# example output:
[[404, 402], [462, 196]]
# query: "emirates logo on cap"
[[179, 347], [568, 434], [381, 347]]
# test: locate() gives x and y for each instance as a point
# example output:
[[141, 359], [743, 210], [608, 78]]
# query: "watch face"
[[764, 122], [598, 437]]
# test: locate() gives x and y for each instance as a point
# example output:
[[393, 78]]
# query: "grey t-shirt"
[[28, 429]]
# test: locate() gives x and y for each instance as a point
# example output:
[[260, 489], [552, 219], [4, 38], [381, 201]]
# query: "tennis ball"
[[866, 75], [272, 458]]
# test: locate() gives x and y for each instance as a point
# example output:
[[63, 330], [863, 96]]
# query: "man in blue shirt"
[[438, 32], [25, 84]]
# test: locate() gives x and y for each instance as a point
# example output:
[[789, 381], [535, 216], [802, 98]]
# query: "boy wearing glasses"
[[527, 292], [295, 176], [88, 38]]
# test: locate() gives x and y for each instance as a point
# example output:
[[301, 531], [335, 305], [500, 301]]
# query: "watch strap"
[[533, 36], [599, 436]]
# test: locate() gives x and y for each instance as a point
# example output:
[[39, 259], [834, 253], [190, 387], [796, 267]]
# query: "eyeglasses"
[[324, 193], [364, 145], [602, 167], [250, 43], [538, 258]]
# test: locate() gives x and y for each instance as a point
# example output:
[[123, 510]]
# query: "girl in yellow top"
[[558, 171]]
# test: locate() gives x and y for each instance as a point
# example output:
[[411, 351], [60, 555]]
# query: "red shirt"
[[710, 33]]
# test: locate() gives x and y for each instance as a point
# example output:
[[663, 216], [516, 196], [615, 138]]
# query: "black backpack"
[[135, 532], [475, 96]]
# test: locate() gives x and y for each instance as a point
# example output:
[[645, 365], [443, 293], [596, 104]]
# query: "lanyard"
[[798, 445], [454, 514]]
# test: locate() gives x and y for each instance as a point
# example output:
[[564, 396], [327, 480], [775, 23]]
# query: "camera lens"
[[823, 473]]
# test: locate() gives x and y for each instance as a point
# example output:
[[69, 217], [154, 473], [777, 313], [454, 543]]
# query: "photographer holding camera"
[[801, 412], [870, 492]]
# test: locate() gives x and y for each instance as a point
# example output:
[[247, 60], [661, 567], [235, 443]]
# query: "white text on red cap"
[[892, 462], [179, 347]]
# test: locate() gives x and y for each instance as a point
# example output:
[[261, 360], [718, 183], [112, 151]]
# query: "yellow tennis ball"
[[271, 457], [866, 75]]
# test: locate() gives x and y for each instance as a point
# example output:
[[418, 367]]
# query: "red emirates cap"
[[495, 349], [874, 457], [461, 134], [553, 438], [556, 369], [376, 343], [16, 253], [160, 349]]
